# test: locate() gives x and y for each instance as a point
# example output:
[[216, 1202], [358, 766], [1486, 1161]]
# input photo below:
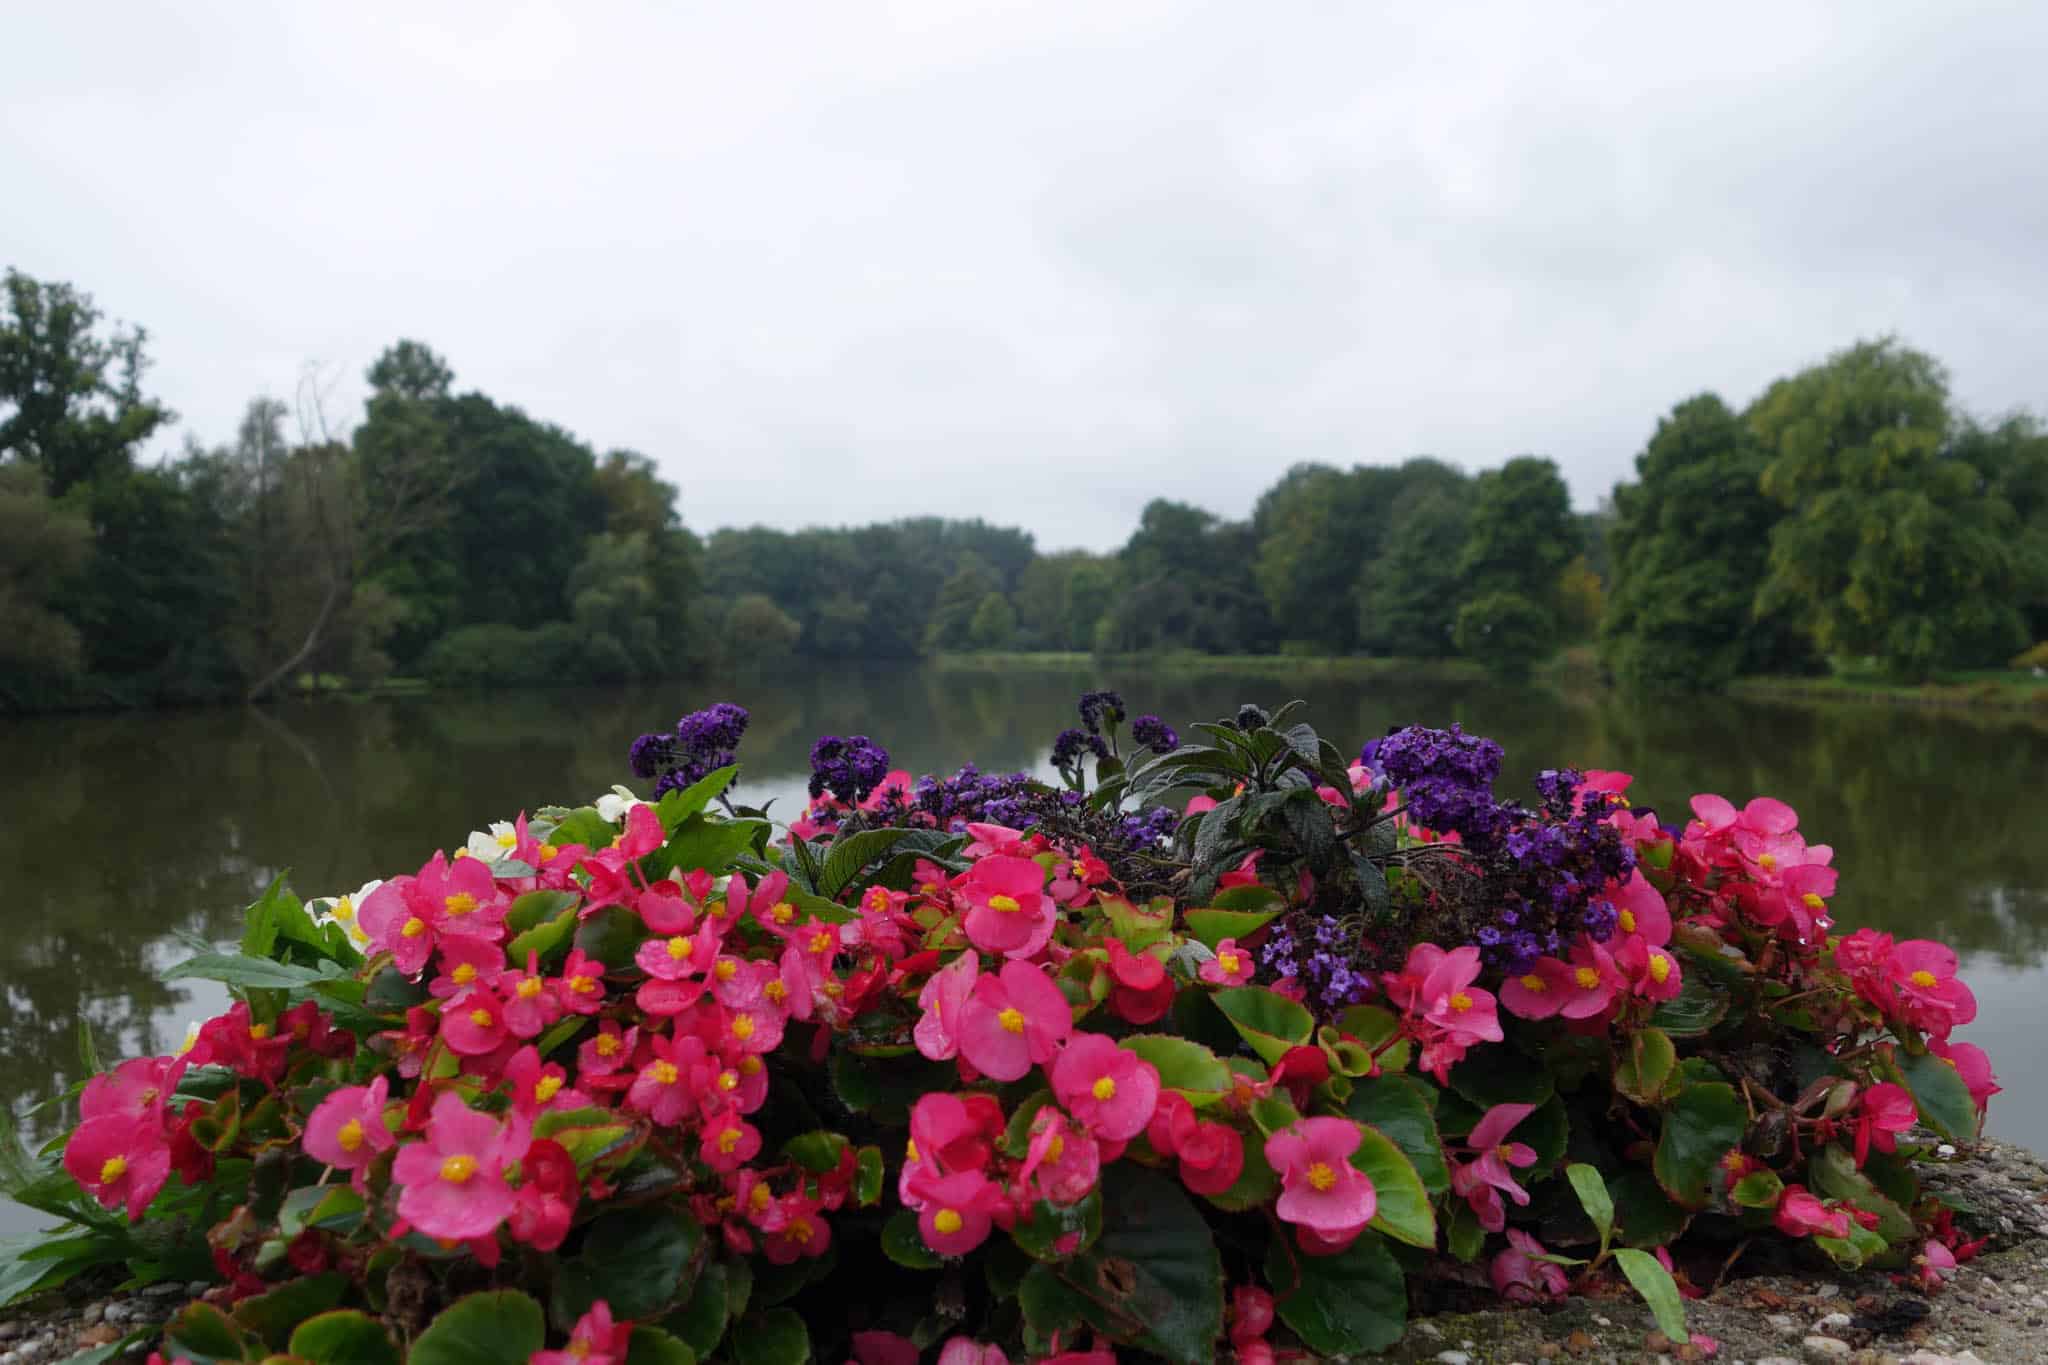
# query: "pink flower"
[[596, 1339], [119, 1161], [538, 1086], [937, 1028], [452, 1182], [1211, 1154], [956, 1211], [1800, 1214], [1540, 992], [1111, 1091], [1596, 979], [729, 1142], [137, 1089], [464, 961], [1483, 1180], [1446, 1012], [1924, 973], [458, 898], [580, 988], [347, 1131], [388, 916], [1008, 910], [473, 1023], [959, 1351], [666, 1087], [529, 1005], [548, 1191], [1972, 1065], [1013, 1022], [1319, 1187], [1934, 1264], [1232, 965], [1519, 1276], [1652, 972], [610, 1051], [888, 1348], [1884, 1111], [1640, 910], [1062, 1157], [675, 967], [1140, 990]]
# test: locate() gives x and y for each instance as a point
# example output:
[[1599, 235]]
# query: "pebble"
[[1429, 1329], [1783, 1323], [92, 1314], [1776, 1360], [1833, 1322], [1454, 1358], [1825, 1348]]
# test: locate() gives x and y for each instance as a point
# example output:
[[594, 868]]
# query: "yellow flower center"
[[480, 1017], [750, 1065], [910, 1151], [1012, 1020], [758, 1199], [546, 1088], [801, 1231], [663, 1072], [584, 985], [743, 1027], [1923, 978], [1768, 863], [548, 853], [350, 1135], [461, 853], [948, 1221], [679, 948], [1229, 962], [529, 987], [1006, 904], [344, 909], [877, 899], [1320, 1177], [414, 927], [833, 990], [1627, 921], [607, 1043], [728, 1139], [1587, 978], [464, 973], [457, 1169], [1535, 983], [259, 1031], [112, 1169], [1460, 1001], [775, 991], [728, 1080], [507, 839], [461, 903], [580, 1348], [783, 912], [726, 969], [1813, 902], [1660, 968], [821, 942], [1056, 1149], [1104, 1088]]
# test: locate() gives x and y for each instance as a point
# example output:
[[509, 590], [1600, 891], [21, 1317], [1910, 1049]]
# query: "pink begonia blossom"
[[1972, 1065], [1008, 910], [1520, 1275], [1640, 910], [1111, 1091], [530, 1006], [1484, 1179], [1013, 1021], [464, 961], [728, 1142], [1652, 973], [1232, 965], [459, 898], [1800, 1213], [539, 1086], [452, 1182], [610, 1051], [1319, 1187], [955, 1212], [119, 1161], [1063, 1160], [937, 1029], [595, 1339], [473, 1023], [580, 988], [961, 1351], [1883, 1111], [890, 1348], [1924, 974], [138, 1089], [347, 1130], [1540, 992]]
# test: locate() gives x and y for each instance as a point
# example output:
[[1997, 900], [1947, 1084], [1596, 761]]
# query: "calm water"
[[120, 831]]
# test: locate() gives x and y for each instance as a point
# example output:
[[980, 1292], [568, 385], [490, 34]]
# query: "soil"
[[1993, 1310]]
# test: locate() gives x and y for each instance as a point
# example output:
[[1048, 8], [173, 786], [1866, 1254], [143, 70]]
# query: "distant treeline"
[[1848, 515]]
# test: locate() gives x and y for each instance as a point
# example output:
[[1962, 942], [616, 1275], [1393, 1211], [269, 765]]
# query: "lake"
[[122, 832]]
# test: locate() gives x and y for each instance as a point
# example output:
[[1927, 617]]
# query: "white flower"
[[614, 804], [343, 910], [491, 845]]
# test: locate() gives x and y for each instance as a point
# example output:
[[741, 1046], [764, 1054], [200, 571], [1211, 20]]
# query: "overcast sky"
[[1041, 262]]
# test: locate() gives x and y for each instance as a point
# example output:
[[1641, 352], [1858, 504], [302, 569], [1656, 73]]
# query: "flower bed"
[[996, 1069]]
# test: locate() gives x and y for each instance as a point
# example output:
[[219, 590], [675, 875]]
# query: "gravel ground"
[[1994, 1311]]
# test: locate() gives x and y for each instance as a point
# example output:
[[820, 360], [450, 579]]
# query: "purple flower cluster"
[[952, 802], [1101, 708], [1446, 780], [1321, 955], [1149, 826], [1068, 748], [702, 742], [1150, 732], [849, 768]]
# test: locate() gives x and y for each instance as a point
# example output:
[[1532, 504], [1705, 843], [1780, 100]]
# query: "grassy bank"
[[2001, 688], [1191, 665]]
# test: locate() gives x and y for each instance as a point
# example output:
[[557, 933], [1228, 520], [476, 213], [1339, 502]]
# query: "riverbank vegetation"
[[1848, 522]]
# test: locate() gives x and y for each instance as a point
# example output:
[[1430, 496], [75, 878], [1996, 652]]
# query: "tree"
[[1408, 596], [1506, 633], [994, 625], [43, 544], [1522, 532], [1318, 528], [759, 632], [71, 397], [952, 618], [1893, 546], [1690, 546]]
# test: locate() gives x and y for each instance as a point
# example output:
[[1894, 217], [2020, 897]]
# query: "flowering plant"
[[978, 1065]]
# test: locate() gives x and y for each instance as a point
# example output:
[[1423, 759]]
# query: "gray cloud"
[[1038, 262]]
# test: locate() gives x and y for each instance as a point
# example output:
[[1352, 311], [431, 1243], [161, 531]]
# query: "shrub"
[[970, 1057], [1506, 634]]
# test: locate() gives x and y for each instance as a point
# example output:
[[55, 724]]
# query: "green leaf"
[[904, 1244], [1344, 1305], [544, 938], [817, 1151], [884, 1088], [1593, 1198], [867, 1176], [538, 907], [586, 827], [1190, 1068], [652, 1346], [1154, 1280], [1851, 1252], [1647, 1062], [1499, 1075], [777, 1337], [1698, 1006], [236, 969], [40, 1263], [1658, 1289], [1701, 1125], [706, 843], [676, 807], [204, 1334], [1212, 925], [1399, 1106], [612, 936], [1267, 1020], [1404, 1211], [636, 1259], [275, 1315], [1833, 1175], [701, 1322], [1373, 1026], [1039, 1235], [850, 853], [484, 1329], [1758, 1190], [1647, 1216], [1464, 1238], [1943, 1100], [344, 1337]]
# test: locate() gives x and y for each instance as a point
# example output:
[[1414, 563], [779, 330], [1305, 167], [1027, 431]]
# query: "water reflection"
[[120, 831]]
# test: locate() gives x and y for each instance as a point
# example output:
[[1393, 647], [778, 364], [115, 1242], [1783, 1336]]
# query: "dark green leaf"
[[817, 1152], [1698, 1006], [1267, 1020], [701, 1321], [1041, 1235], [904, 1244], [1648, 1059], [1399, 1107], [1190, 1068], [275, 1315], [1833, 1175], [1498, 1075], [236, 969], [850, 853], [676, 807], [706, 843], [1404, 1211], [537, 907], [635, 1259], [1593, 1198], [1701, 1125], [652, 1346], [1349, 1304], [545, 938], [612, 936], [344, 1337], [777, 1337], [204, 1334], [1647, 1216], [1154, 1280], [493, 1328], [1658, 1289], [1212, 926], [1944, 1101]]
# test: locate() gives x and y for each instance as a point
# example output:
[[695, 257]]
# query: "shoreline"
[[1994, 1309]]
